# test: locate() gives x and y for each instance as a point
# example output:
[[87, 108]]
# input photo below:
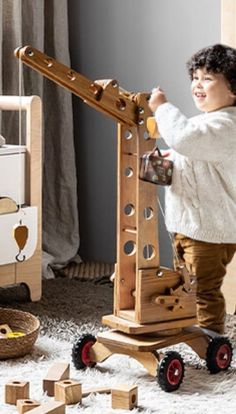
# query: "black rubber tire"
[[80, 351], [170, 372], [219, 354]]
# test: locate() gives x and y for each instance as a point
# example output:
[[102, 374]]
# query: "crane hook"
[[18, 259]]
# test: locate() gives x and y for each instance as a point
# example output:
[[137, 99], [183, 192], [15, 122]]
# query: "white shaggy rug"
[[69, 308], [200, 392]]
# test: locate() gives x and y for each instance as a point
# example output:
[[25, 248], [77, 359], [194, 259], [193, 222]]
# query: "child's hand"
[[157, 98]]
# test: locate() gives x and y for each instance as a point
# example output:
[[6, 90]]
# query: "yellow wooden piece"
[[15, 334], [152, 127]]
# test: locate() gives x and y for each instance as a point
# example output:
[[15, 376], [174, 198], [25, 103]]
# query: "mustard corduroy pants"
[[207, 262]]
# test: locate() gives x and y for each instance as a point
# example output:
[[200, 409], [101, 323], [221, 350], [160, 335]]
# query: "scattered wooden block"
[[26, 405], [124, 397], [4, 330], [16, 390], [58, 371], [68, 391], [52, 407]]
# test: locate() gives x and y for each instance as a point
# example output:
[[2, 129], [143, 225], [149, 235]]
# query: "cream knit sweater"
[[201, 202]]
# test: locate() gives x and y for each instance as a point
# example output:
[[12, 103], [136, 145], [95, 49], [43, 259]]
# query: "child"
[[201, 202]]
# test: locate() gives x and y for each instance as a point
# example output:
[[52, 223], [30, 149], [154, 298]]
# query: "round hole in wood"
[[133, 399], [130, 248], [71, 75], [48, 62], [30, 53], [129, 172], [148, 213], [149, 252], [114, 83], [128, 134], [121, 104], [146, 135], [129, 210]]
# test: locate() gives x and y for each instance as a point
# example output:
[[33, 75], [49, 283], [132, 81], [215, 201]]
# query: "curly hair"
[[215, 59]]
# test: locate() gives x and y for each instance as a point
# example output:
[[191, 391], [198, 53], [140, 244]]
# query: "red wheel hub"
[[174, 372], [85, 354], [223, 356]]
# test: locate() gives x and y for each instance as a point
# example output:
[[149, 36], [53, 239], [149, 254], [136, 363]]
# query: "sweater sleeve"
[[207, 137]]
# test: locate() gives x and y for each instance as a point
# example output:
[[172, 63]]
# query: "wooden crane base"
[[144, 347]]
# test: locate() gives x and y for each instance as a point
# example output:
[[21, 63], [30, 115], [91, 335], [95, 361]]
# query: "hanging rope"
[[20, 231], [175, 253]]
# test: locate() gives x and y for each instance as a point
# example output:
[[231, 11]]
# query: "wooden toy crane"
[[154, 307]]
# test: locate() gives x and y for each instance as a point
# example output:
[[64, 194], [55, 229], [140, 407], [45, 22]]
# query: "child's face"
[[211, 91]]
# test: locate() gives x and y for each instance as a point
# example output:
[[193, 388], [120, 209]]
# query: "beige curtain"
[[43, 24]]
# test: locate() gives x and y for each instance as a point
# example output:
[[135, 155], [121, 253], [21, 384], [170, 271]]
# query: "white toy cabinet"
[[20, 180]]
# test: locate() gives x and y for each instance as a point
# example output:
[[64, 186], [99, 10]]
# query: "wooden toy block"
[[124, 397], [58, 371], [68, 391], [16, 390], [26, 405], [51, 407], [4, 330]]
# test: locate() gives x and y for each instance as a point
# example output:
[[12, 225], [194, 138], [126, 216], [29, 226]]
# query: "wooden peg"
[[52, 407], [124, 397], [16, 390], [58, 371], [98, 390], [26, 405], [68, 391]]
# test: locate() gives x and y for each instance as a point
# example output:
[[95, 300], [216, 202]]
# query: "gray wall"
[[141, 44]]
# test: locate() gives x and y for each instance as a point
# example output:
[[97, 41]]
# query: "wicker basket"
[[18, 321]]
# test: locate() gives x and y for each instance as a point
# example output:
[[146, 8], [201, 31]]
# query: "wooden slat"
[[127, 326], [143, 343], [228, 22], [107, 103], [228, 37]]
